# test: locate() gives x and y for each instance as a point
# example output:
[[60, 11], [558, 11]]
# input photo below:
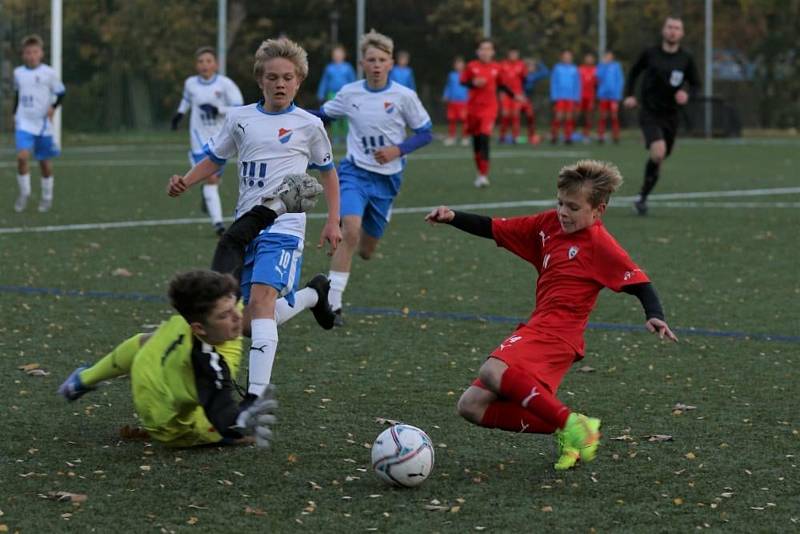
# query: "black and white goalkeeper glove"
[[297, 193], [257, 419]]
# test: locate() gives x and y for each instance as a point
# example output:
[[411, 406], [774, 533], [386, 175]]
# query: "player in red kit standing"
[[481, 76], [512, 75], [575, 257], [588, 74]]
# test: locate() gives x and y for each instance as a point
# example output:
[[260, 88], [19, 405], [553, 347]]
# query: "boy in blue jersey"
[[38, 91], [337, 74], [537, 71], [565, 94], [455, 96], [401, 73], [610, 83], [273, 138], [378, 112], [209, 96]]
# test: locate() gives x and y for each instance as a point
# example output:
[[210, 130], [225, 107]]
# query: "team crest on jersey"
[[676, 78], [573, 251], [218, 94], [284, 135], [388, 107]]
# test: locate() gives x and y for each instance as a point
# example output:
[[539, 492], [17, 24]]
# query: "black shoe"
[[219, 229], [322, 310], [641, 207]]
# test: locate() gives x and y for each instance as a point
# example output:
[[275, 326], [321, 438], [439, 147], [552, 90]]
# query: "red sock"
[[515, 125], [554, 129], [503, 126], [533, 396], [615, 126], [451, 128], [514, 418], [570, 126], [483, 165], [464, 129], [601, 126]]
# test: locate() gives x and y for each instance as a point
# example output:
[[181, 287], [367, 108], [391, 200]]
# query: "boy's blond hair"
[[32, 40], [285, 48], [377, 40], [601, 177]]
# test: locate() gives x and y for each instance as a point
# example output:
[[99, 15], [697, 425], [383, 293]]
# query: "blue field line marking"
[[413, 314]]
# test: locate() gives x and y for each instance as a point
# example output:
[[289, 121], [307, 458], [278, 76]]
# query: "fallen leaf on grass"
[[33, 369], [3, 528], [586, 369], [436, 507], [37, 372], [65, 496], [690, 455], [624, 437], [314, 485], [384, 421], [679, 408], [29, 367], [657, 437], [547, 508], [192, 521], [254, 511], [121, 271], [133, 433]]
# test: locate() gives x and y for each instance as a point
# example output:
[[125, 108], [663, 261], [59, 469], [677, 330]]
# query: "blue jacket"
[[534, 77], [403, 76], [454, 91], [565, 83], [610, 81], [335, 76]]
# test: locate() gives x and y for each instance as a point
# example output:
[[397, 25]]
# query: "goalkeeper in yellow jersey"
[[182, 375]]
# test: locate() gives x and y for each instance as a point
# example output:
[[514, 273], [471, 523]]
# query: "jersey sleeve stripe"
[[213, 157]]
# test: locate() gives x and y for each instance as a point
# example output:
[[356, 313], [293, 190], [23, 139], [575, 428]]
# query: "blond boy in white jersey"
[[38, 92], [273, 138], [209, 96]]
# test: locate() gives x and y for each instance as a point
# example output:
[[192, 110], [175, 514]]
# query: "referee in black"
[[668, 72]]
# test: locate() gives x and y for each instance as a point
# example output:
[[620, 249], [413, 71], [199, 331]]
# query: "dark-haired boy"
[[575, 258]]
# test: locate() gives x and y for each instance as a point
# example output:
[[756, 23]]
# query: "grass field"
[[726, 265]]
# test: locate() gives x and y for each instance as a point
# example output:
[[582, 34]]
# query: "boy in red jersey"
[[481, 76], [512, 75], [575, 257], [588, 74]]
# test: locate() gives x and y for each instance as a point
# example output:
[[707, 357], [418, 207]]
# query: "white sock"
[[213, 203], [24, 182], [47, 187], [303, 299], [264, 343], [338, 284]]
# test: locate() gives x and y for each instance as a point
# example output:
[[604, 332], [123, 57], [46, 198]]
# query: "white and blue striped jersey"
[[38, 88], [376, 119], [270, 146], [221, 92]]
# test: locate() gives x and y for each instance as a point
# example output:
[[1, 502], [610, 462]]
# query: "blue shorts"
[[43, 147], [368, 195], [194, 159], [273, 260]]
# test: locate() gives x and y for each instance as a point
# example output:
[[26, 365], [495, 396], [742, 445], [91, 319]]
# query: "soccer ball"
[[403, 455]]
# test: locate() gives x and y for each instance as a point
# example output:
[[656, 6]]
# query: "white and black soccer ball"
[[403, 455]]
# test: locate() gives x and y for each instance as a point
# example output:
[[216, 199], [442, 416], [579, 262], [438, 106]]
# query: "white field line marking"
[[620, 202]]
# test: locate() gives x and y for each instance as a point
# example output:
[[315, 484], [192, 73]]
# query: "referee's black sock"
[[650, 178]]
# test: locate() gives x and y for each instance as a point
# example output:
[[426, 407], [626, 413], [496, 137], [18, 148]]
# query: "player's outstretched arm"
[[653, 311], [180, 184], [479, 225], [331, 232]]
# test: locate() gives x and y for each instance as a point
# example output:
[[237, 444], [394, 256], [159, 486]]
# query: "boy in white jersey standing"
[[38, 92], [210, 96], [378, 112], [273, 138]]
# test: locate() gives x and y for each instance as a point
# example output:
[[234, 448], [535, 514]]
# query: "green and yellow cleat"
[[578, 439]]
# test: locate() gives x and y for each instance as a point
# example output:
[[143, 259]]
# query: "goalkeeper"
[[182, 375]]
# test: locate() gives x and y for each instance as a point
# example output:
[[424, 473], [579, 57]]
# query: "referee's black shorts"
[[658, 127]]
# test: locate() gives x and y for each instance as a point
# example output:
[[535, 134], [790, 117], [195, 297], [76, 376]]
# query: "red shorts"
[[546, 357], [509, 105], [609, 105], [480, 124], [563, 106], [587, 104], [457, 111]]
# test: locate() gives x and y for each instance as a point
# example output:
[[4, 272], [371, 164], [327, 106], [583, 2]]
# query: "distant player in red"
[[481, 76], [575, 258], [588, 73], [512, 75]]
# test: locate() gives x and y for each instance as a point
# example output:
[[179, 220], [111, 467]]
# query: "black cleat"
[[323, 312], [219, 229], [338, 320], [641, 207]]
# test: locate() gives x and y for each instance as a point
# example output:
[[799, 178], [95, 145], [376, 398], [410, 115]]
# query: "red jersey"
[[588, 74], [572, 268], [481, 100], [512, 75]]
